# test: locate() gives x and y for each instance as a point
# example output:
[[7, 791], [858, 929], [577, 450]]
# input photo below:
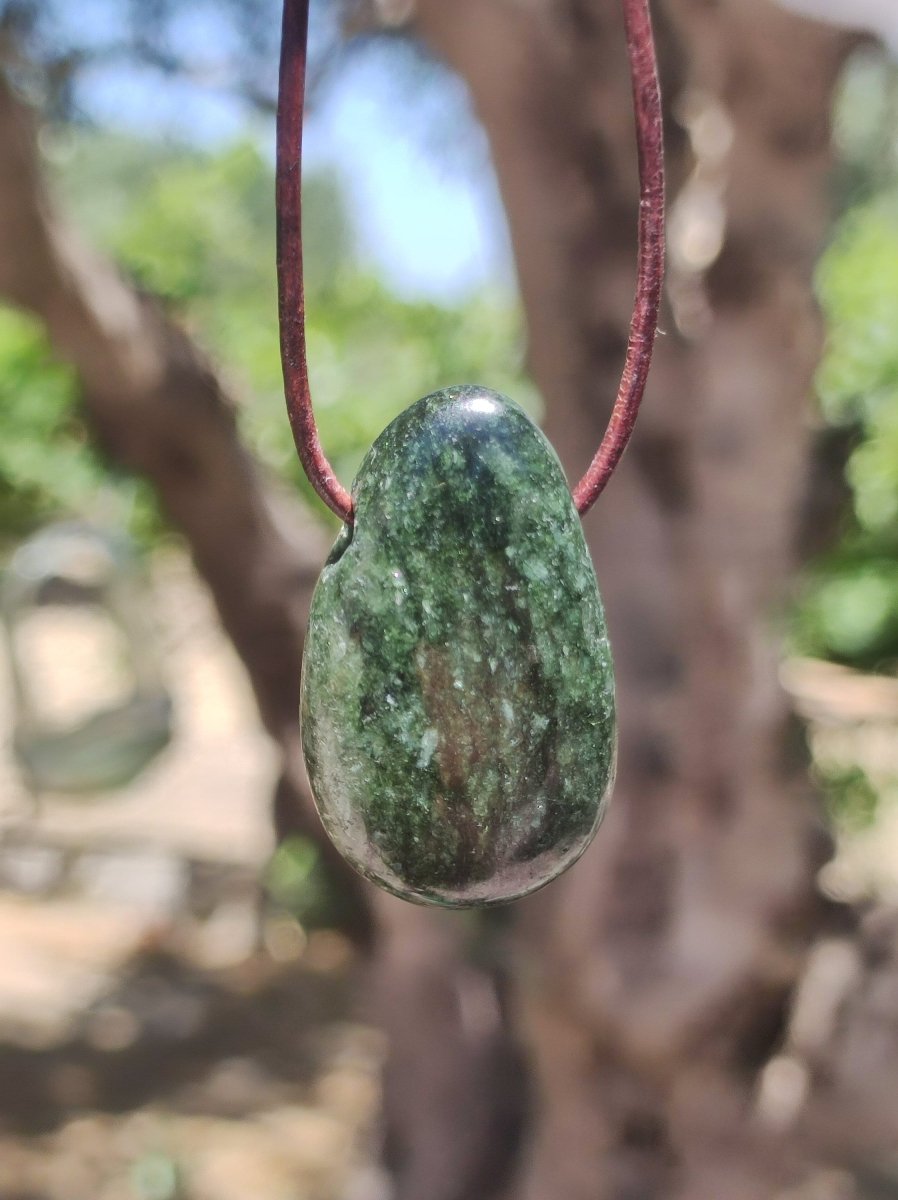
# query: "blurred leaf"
[[298, 880], [849, 605], [45, 464], [156, 1177], [851, 799]]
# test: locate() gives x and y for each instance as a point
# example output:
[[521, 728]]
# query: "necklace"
[[457, 694]]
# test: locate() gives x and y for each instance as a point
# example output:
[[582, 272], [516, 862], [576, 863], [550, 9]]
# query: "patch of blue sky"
[[151, 103], [400, 135], [423, 199]]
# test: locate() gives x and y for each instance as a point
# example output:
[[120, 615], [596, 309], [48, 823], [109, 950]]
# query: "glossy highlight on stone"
[[458, 697]]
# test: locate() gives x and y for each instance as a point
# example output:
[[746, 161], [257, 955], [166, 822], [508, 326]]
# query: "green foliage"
[[156, 1176], [858, 379], [45, 462], [849, 611], [298, 881], [851, 799], [197, 229]]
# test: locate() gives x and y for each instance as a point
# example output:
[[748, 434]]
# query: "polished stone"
[[458, 696]]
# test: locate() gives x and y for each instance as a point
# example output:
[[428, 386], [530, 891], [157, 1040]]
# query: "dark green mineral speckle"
[[458, 699]]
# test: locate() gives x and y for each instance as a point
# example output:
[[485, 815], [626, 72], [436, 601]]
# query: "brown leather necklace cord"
[[291, 297], [650, 262], [649, 274]]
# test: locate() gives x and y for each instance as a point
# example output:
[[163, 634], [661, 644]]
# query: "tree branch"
[[160, 409]]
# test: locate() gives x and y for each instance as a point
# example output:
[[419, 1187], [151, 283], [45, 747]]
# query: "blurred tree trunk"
[[653, 983]]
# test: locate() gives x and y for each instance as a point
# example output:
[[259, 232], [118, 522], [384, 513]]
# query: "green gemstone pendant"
[[458, 697]]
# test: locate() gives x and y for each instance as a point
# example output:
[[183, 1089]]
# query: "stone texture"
[[458, 697]]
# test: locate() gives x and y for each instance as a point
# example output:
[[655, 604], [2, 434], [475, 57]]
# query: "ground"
[[167, 1033]]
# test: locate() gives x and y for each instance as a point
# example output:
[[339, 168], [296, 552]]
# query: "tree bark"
[[653, 983], [160, 409]]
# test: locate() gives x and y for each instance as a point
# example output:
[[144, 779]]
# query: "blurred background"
[[197, 1002]]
